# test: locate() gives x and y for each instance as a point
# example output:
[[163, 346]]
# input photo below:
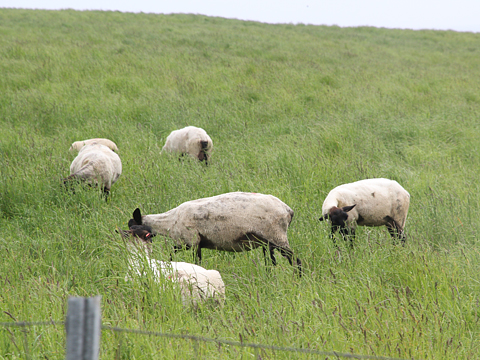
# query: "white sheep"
[[196, 283], [235, 221], [370, 202], [96, 164], [190, 140], [77, 145]]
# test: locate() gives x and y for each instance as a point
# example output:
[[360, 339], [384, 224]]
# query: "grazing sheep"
[[235, 221], [96, 164], [196, 283], [77, 145], [190, 140], [370, 202]]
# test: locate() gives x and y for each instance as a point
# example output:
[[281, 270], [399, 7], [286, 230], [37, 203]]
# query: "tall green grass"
[[293, 111]]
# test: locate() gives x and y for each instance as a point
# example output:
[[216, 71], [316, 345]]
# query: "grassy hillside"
[[293, 111]]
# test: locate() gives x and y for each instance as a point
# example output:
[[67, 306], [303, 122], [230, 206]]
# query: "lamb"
[[190, 140], [77, 145], [195, 282], [370, 202], [96, 164], [234, 221]]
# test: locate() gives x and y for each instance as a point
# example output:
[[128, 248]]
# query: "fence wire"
[[23, 325], [250, 345], [204, 339], [32, 323]]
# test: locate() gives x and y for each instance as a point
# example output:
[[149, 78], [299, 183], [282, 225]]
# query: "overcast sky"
[[459, 15]]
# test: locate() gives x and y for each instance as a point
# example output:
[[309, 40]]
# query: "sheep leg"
[[348, 234], [351, 237], [106, 192], [175, 249], [264, 249], [334, 229], [198, 251], [396, 232], [288, 253], [271, 248], [68, 182]]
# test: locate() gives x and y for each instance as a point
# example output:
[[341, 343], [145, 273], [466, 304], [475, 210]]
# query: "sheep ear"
[[324, 217], [137, 216], [348, 208]]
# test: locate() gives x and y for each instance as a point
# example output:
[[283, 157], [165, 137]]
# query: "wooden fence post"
[[83, 328]]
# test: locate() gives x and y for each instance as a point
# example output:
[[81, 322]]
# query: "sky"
[[458, 15]]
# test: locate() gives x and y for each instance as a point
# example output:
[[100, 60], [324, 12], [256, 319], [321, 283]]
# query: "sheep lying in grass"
[[370, 202], [77, 145], [196, 283], [96, 164], [230, 222], [190, 140]]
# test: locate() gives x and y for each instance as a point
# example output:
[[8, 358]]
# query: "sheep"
[[190, 140], [96, 164], [77, 145], [370, 202], [196, 283], [236, 221]]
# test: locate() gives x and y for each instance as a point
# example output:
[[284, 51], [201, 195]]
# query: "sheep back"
[[96, 163], [77, 145], [198, 284]]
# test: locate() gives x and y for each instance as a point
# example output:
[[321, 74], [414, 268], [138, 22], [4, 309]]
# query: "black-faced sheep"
[[77, 145], [196, 283], [235, 221], [190, 140], [370, 202], [97, 165]]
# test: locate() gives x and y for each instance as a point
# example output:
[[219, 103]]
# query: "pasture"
[[293, 111]]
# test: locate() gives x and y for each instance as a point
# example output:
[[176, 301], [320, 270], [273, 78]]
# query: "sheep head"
[[338, 216], [136, 229], [141, 232]]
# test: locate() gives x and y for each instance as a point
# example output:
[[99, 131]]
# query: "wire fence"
[[249, 345], [24, 325], [197, 339]]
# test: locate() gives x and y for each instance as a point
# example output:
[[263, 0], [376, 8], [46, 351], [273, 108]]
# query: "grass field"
[[293, 111]]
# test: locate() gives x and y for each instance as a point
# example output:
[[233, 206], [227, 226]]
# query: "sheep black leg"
[[271, 248], [106, 192], [175, 249], [287, 253], [348, 235], [395, 231], [264, 249], [69, 183], [335, 228], [198, 251], [202, 156], [351, 237]]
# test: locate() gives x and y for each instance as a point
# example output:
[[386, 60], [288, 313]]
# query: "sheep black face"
[[202, 155], [338, 218], [138, 231]]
